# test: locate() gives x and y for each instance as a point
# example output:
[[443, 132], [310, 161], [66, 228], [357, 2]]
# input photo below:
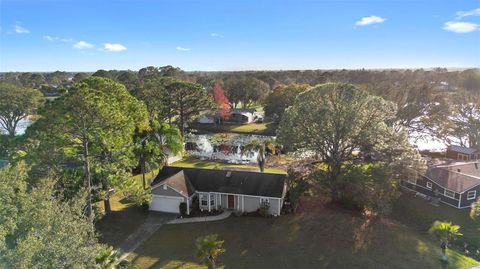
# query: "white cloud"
[[20, 30], [216, 35], [49, 38], [114, 47], [369, 20], [82, 45], [460, 27], [56, 38], [474, 12], [183, 49]]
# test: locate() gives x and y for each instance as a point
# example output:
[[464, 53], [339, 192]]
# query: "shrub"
[[264, 210]]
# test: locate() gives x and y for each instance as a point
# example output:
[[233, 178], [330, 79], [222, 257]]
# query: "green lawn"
[[192, 162], [318, 236], [266, 128], [124, 219], [419, 214]]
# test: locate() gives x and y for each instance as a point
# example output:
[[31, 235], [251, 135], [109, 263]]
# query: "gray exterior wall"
[[466, 203], [436, 191], [168, 192], [250, 203]]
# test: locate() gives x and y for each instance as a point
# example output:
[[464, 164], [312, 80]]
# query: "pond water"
[[223, 147], [21, 127], [228, 147]]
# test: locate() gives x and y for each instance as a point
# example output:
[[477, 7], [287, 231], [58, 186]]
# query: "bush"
[[264, 210], [183, 209]]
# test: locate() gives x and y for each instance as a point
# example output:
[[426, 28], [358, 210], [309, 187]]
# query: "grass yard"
[[319, 236], [124, 219], [196, 163], [419, 214], [265, 128]]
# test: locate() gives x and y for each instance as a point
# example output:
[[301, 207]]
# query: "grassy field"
[[124, 219], [266, 128], [192, 162], [419, 214], [319, 236]]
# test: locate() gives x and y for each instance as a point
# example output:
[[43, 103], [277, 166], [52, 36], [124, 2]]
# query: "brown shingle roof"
[[178, 181], [456, 177]]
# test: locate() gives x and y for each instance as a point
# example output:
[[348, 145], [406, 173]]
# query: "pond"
[[21, 127], [225, 147]]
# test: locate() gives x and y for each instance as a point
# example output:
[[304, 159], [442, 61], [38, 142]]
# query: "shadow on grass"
[[115, 227]]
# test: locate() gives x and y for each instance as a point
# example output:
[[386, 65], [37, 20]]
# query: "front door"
[[231, 201]]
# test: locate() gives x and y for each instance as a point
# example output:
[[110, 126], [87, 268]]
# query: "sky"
[[225, 35]]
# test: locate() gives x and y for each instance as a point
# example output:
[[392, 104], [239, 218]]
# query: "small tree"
[[261, 147], [208, 249], [445, 232], [110, 258], [475, 211], [223, 105]]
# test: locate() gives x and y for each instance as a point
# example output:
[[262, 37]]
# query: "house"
[[211, 189], [460, 153], [242, 115], [456, 184]]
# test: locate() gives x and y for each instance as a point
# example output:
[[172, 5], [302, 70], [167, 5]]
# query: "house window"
[[264, 202], [212, 199], [449, 193], [203, 199], [165, 186], [471, 195], [429, 185]]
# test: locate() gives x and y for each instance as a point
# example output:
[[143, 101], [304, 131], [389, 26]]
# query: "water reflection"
[[223, 146]]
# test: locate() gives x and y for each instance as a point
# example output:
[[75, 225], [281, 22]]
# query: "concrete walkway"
[[153, 222], [224, 215]]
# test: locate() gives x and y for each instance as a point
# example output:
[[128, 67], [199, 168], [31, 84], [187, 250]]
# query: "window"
[[212, 199], [203, 199], [264, 201], [429, 185], [165, 186], [471, 195], [449, 193]]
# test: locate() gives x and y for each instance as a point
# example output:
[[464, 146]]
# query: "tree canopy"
[[16, 104], [340, 123], [282, 97], [37, 225], [97, 118]]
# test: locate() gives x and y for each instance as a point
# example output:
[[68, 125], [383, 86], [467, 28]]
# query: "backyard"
[[319, 236], [264, 128], [196, 163]]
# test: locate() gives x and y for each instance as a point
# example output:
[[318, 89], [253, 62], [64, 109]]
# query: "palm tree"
[[153, 145], [208, 249], [111, 259], [261, 147], [445, 232]]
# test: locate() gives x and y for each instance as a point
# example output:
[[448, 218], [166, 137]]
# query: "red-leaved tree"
[[222, 102]]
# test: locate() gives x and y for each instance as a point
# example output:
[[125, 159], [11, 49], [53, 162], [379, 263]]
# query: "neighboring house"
[[212, 189], [455, 184], [460, 153], [245, 115]]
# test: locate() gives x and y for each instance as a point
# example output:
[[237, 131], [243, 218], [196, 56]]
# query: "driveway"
[[154, 221]]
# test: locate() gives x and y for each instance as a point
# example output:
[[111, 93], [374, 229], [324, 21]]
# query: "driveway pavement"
[[154, 221]]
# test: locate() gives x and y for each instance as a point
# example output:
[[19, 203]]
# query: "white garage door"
[[166, 204]]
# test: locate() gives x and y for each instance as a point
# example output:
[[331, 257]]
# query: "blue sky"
[[71, 35]]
